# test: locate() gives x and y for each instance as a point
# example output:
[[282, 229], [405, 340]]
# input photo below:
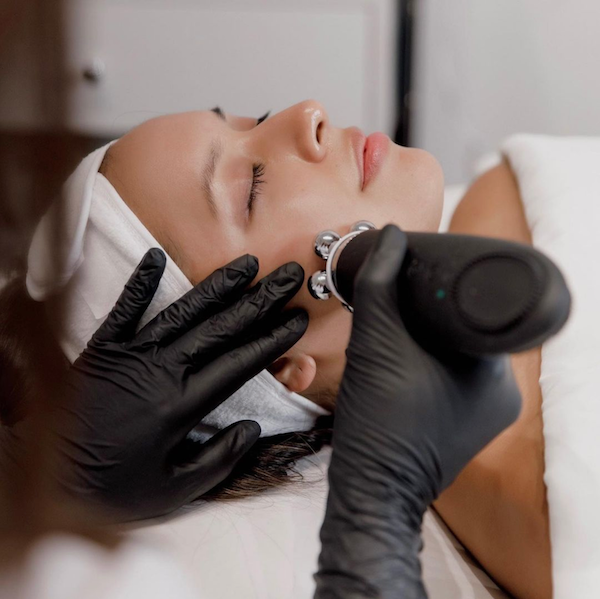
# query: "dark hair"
[[269, 463]]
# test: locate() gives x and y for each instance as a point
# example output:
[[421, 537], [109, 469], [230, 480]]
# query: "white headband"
[[102, 242]]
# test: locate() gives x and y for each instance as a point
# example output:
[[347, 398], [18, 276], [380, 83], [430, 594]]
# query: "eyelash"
[[258, 170], [264, 117]]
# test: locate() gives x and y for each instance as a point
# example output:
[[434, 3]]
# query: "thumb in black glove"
[[406, 423], [134, 397]]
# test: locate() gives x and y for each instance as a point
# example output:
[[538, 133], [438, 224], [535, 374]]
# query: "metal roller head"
[[362, 225], [324, 241], [317, 285]]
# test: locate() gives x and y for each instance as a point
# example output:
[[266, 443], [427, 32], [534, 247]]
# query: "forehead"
[[171, 130], [165, 153], [176, 133]]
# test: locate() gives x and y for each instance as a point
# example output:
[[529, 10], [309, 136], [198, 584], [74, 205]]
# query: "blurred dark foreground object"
[[33, 168], [34, 163]]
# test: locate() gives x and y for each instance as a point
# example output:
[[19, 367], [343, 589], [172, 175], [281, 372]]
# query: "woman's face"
[[212, 186]]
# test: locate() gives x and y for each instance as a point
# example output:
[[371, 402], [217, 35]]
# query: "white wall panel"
[[487, 68], [163, 56]]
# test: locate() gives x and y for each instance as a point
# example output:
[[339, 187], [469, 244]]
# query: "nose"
[[302, 129], [312, 129]]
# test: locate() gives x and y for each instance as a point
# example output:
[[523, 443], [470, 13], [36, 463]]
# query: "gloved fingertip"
[[155, 256], [249, 432], [295, 270], [251, 263], [295, 319], [286, 279], [147, 276], [391, 239], [152, 264], [235, 440], [247, 262], [134, 299], [379, 272], [242, 269]]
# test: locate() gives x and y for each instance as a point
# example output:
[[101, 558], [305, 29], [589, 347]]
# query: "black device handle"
[[469, 294]]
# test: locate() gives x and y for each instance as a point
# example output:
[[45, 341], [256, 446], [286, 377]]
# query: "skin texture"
[[501, 494], [311, 182]]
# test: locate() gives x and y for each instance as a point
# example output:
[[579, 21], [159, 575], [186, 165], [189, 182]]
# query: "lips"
[[358, 140], [370, 153], [376, 149]]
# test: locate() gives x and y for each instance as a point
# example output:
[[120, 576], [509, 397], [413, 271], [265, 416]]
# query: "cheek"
[[207, 249], [288, 234], [409, 192], [293, 211]]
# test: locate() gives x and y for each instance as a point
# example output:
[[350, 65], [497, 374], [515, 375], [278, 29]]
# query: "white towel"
[[559, 182]]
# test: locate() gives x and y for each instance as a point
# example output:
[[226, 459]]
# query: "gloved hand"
[[134, 397], [406, 423]]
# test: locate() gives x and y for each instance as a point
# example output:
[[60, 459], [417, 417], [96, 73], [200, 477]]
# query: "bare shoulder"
[[492, 207], [497, 506]]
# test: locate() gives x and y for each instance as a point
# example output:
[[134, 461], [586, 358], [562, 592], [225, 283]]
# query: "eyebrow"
[[217, 110], [208, 174], [216, 149]]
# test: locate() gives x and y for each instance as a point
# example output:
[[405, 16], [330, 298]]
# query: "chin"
[[434, 191], [414, 188]]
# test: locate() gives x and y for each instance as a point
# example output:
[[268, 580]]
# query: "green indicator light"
[[440, 294]]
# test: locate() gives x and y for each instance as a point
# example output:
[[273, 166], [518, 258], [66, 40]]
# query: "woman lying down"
[[210, 186]]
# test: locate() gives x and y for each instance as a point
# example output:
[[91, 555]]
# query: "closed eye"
[[258, 170]]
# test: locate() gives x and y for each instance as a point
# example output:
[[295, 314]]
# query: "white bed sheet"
[[452, 196], [267, 547]]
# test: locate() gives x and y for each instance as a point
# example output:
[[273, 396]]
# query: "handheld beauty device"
[[460, 293]]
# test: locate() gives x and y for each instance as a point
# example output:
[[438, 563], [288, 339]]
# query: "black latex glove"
[[134, 397], [406, 423]]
